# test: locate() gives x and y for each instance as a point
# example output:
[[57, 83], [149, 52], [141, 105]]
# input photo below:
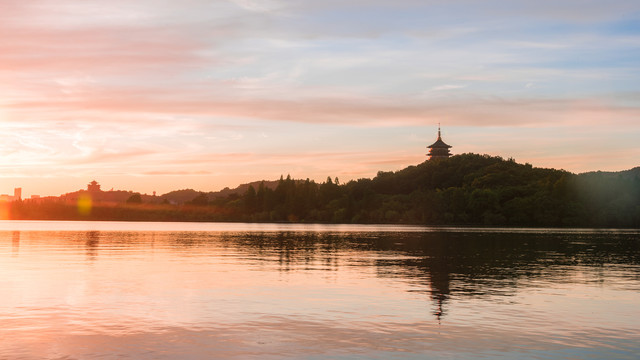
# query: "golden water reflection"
[[300, 294]]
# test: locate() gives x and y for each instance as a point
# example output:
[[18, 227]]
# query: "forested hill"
[[479, 189], [467, 189]]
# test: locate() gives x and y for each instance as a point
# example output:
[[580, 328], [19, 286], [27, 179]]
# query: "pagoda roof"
[[439, 144]]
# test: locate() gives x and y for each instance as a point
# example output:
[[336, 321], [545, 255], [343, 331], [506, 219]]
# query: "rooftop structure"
[[93, 186], [439, 149]]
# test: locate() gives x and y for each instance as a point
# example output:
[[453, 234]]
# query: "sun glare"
[[84, 204], [4, 210]]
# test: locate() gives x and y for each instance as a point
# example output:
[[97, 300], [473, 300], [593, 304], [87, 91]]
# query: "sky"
[[160, 95]]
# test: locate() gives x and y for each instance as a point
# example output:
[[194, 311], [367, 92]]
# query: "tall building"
[[439, 150]]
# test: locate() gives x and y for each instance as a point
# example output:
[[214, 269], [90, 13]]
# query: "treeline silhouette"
[[467, 189]]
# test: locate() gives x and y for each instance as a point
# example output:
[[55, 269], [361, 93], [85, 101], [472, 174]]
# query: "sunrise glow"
[[158, 96]]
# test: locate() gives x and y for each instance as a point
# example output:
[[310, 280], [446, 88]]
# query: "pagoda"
[[93, 187], [439, 150]]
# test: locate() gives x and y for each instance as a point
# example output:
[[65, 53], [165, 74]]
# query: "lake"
[[117, 290]]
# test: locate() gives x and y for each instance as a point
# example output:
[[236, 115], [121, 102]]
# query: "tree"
[[200, 200], [250, 200], [135, 199]]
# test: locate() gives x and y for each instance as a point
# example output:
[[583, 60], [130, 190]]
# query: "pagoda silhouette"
[[439, 149]]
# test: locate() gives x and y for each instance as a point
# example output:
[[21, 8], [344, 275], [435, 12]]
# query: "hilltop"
[[188, 195]]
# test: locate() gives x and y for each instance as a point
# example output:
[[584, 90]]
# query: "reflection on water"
[[15, 242], [91, 244], [335, 292]]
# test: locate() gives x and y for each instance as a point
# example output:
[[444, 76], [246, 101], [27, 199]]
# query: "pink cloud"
[[354, 111]]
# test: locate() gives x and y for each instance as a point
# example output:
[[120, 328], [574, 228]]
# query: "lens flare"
[[4, 210], [84, 204]]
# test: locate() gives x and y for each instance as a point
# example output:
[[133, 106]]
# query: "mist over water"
[[193, 291]]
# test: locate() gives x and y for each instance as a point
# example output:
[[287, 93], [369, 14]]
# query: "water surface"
[[89, 290]]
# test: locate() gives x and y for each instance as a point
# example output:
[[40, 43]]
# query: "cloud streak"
[[369, 111]]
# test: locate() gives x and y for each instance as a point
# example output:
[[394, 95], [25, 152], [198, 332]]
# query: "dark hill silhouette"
[[180, 196], [467, 189], [186, 195]]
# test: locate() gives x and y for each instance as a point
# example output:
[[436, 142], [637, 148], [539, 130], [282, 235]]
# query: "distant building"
[[17, 195], [93, 187], [439, 150]]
